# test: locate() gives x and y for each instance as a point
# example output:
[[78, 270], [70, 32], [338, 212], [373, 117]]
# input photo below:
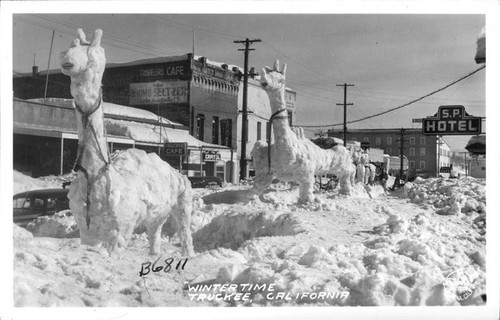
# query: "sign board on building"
[[176, 149], [451, 120], [416, 120], [365, 145], [172, 70], [158, 92], [211, 155]]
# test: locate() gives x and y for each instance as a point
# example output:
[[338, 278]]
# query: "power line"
[[401, 106]]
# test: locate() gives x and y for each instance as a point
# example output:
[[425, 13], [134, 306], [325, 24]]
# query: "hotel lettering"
[[451, 120]]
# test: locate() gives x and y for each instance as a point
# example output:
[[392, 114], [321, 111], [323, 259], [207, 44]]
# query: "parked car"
[[29, 205], [204, 182], [447, 172]]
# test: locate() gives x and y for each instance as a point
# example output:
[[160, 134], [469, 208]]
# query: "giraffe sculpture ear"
[[96, 40], [82, 37], [283, 71]]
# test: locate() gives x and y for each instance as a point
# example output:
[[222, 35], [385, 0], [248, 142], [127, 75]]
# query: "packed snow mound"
[[449, 196], [21, 234], [23, 182], [60, 225], [232, 228]]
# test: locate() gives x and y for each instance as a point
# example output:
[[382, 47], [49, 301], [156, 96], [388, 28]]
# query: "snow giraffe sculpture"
[[113, 194], [293, 157]]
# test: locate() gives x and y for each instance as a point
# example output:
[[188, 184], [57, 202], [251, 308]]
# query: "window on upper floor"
[[200, 127], [389, 140], [422, 164], [215, 130], [422, 140], [226, 132]]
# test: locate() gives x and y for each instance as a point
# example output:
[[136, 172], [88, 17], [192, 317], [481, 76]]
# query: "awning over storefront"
[[477, 145], [148, 133]]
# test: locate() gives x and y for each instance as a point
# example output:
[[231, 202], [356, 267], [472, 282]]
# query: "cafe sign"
[[175, 149], [158, 92], [451, 120]]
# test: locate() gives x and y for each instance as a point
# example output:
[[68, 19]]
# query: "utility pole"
[[439, 143], [401, 148], [345, 104], [465, 162], [244, 124], [48, 66]]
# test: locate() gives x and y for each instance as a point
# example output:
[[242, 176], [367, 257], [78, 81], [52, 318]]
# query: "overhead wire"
[[304, 93], [401, 106]]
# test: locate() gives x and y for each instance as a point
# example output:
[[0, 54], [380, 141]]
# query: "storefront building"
[[426, 154], [201, 97]]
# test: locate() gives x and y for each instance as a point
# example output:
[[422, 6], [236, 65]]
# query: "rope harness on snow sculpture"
[[77, 166], [274, 116]]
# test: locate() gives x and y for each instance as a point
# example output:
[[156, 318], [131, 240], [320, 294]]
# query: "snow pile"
[[60, 225], [23, 182], [273, 251], [232, 228], [449, 196]]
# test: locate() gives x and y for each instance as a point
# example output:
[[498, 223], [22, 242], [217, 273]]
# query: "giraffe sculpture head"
[[273, 79], [84, 62]]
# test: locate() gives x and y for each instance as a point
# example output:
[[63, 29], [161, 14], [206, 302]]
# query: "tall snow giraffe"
[[113, 194], [293, 157]]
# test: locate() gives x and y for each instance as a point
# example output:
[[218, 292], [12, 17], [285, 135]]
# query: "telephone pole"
[[345, 104], [244, 124], [401, 153], [439, 143]]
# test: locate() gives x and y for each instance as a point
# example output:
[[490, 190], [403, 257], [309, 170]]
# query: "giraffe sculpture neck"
[[281, 127], [93, 153]]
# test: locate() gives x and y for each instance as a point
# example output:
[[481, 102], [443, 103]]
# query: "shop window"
[[226, 129], [259, 130], [422, 164], [290, 117], [200, 127], [215, 130]]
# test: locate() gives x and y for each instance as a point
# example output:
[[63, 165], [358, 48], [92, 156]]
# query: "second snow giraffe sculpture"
[[293, 157], [113, 194]]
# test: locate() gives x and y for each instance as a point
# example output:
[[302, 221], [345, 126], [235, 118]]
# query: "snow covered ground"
[[421, 245]]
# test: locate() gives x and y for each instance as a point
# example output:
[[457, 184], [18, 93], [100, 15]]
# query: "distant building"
[[424, 153], [201, 96]]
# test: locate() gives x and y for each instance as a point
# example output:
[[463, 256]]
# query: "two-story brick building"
[[426, 154], [196, 94]]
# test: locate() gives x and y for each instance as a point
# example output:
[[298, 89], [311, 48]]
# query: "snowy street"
[[385, 250]]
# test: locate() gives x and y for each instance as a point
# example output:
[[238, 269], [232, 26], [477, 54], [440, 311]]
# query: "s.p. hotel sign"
[[451, 120], [158, 92]]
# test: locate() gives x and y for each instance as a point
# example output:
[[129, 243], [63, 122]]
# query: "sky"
[[391, 59]]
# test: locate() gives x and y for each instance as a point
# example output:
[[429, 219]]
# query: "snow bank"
[[449, 196], [60, 225], [232, 228], [338, 251], [23, 182]]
